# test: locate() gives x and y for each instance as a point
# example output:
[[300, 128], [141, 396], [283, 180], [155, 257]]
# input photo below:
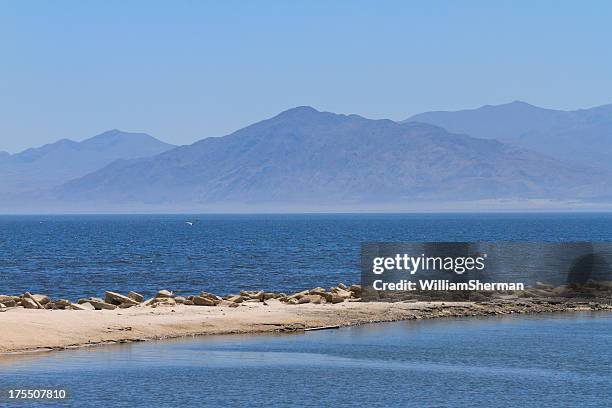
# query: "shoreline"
[[38, 330]]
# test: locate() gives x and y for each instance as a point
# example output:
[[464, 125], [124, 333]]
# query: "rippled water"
[[534, 361], [74, 256]]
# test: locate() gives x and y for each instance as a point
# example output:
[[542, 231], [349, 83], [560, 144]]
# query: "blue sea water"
[[528, 361], [83, 255]]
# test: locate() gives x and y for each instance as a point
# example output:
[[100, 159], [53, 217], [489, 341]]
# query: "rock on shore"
[[332, 296], [165, 297]]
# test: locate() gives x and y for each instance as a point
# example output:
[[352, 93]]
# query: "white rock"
[[136, 296], [102, 305], [118, 299]]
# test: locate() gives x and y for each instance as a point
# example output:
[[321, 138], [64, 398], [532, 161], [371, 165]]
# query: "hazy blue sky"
[[183, 70]]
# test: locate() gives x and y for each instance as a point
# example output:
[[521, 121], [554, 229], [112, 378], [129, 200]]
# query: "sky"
[[185, 70]]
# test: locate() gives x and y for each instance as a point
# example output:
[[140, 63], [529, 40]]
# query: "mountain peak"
[[116, 136], [299, 111], [514, 105], [310, 114], [519, 103], [113, 134]]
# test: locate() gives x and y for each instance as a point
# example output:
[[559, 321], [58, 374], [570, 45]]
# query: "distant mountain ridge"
[[311, 157], [53, 164], [311, 160], [582, 136]]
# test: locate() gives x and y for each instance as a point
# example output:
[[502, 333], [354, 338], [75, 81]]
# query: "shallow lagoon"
[[526, 361]]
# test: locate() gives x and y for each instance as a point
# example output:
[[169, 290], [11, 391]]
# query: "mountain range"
[[54, 164], [582, 136], [311, 160]]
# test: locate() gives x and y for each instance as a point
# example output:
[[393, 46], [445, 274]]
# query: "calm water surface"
[[74, 256], [536, 361], [560, 360]]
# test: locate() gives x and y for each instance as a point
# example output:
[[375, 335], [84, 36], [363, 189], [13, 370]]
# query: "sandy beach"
[[30, 330]]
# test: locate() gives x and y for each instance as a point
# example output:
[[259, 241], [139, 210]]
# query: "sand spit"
[[36, 328]]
